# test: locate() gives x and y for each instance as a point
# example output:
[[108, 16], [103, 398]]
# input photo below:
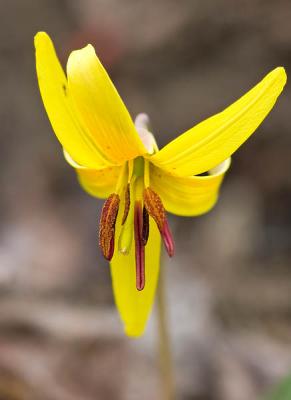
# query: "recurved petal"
[[188, 196], [135, 306], [59, 107], [96, 182], [217, 138], [100, 107]]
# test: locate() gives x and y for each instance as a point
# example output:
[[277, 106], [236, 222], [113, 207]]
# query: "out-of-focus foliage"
[[282, 391]]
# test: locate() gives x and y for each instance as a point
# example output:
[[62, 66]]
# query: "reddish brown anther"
[[107, 225], [156, 210], [139, 246], [154, 207], [168, 239], [145, 226], [127, 204]]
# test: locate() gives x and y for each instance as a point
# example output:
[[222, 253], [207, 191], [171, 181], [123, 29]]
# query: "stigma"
[[139, 203]]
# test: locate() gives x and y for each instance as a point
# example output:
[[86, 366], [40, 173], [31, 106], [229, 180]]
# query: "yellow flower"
[[119, 160]]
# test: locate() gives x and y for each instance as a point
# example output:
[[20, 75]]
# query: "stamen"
[[121, 182], [130, 170], [139, 246], [168, 239], [156, 210], [145, 226], [126, 233], [127, 204], [154, 207], [146, 173], [107, 225]]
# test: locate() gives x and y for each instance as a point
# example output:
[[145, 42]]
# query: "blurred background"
[[229, 285]]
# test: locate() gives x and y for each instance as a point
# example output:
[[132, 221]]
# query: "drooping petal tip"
[[281, 71], [134, 331]]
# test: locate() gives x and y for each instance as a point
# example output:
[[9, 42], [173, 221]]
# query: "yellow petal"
[[98, 183], [135, 306], [59, 107], [100, 107], [188, 196], [215, 139]]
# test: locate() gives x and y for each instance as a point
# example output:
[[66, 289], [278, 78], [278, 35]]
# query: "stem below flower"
[[164, 347]]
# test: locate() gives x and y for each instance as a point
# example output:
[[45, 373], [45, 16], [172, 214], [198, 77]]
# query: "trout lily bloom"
[[118, 160]]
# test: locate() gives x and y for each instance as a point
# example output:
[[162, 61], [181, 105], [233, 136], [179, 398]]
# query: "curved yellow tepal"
[[58, 104], [100, 107], [135, 306], [96, 182], [190, 195], [217, 138]]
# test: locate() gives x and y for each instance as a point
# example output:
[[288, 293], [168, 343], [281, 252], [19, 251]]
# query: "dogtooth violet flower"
[[119, 161]]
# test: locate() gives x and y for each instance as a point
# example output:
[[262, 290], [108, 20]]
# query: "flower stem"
[[164, 347]]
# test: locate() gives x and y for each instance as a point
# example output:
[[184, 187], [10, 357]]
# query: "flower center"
[[140, 202]]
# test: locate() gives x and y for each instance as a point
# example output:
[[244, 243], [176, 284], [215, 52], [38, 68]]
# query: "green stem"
[[164, 347]]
